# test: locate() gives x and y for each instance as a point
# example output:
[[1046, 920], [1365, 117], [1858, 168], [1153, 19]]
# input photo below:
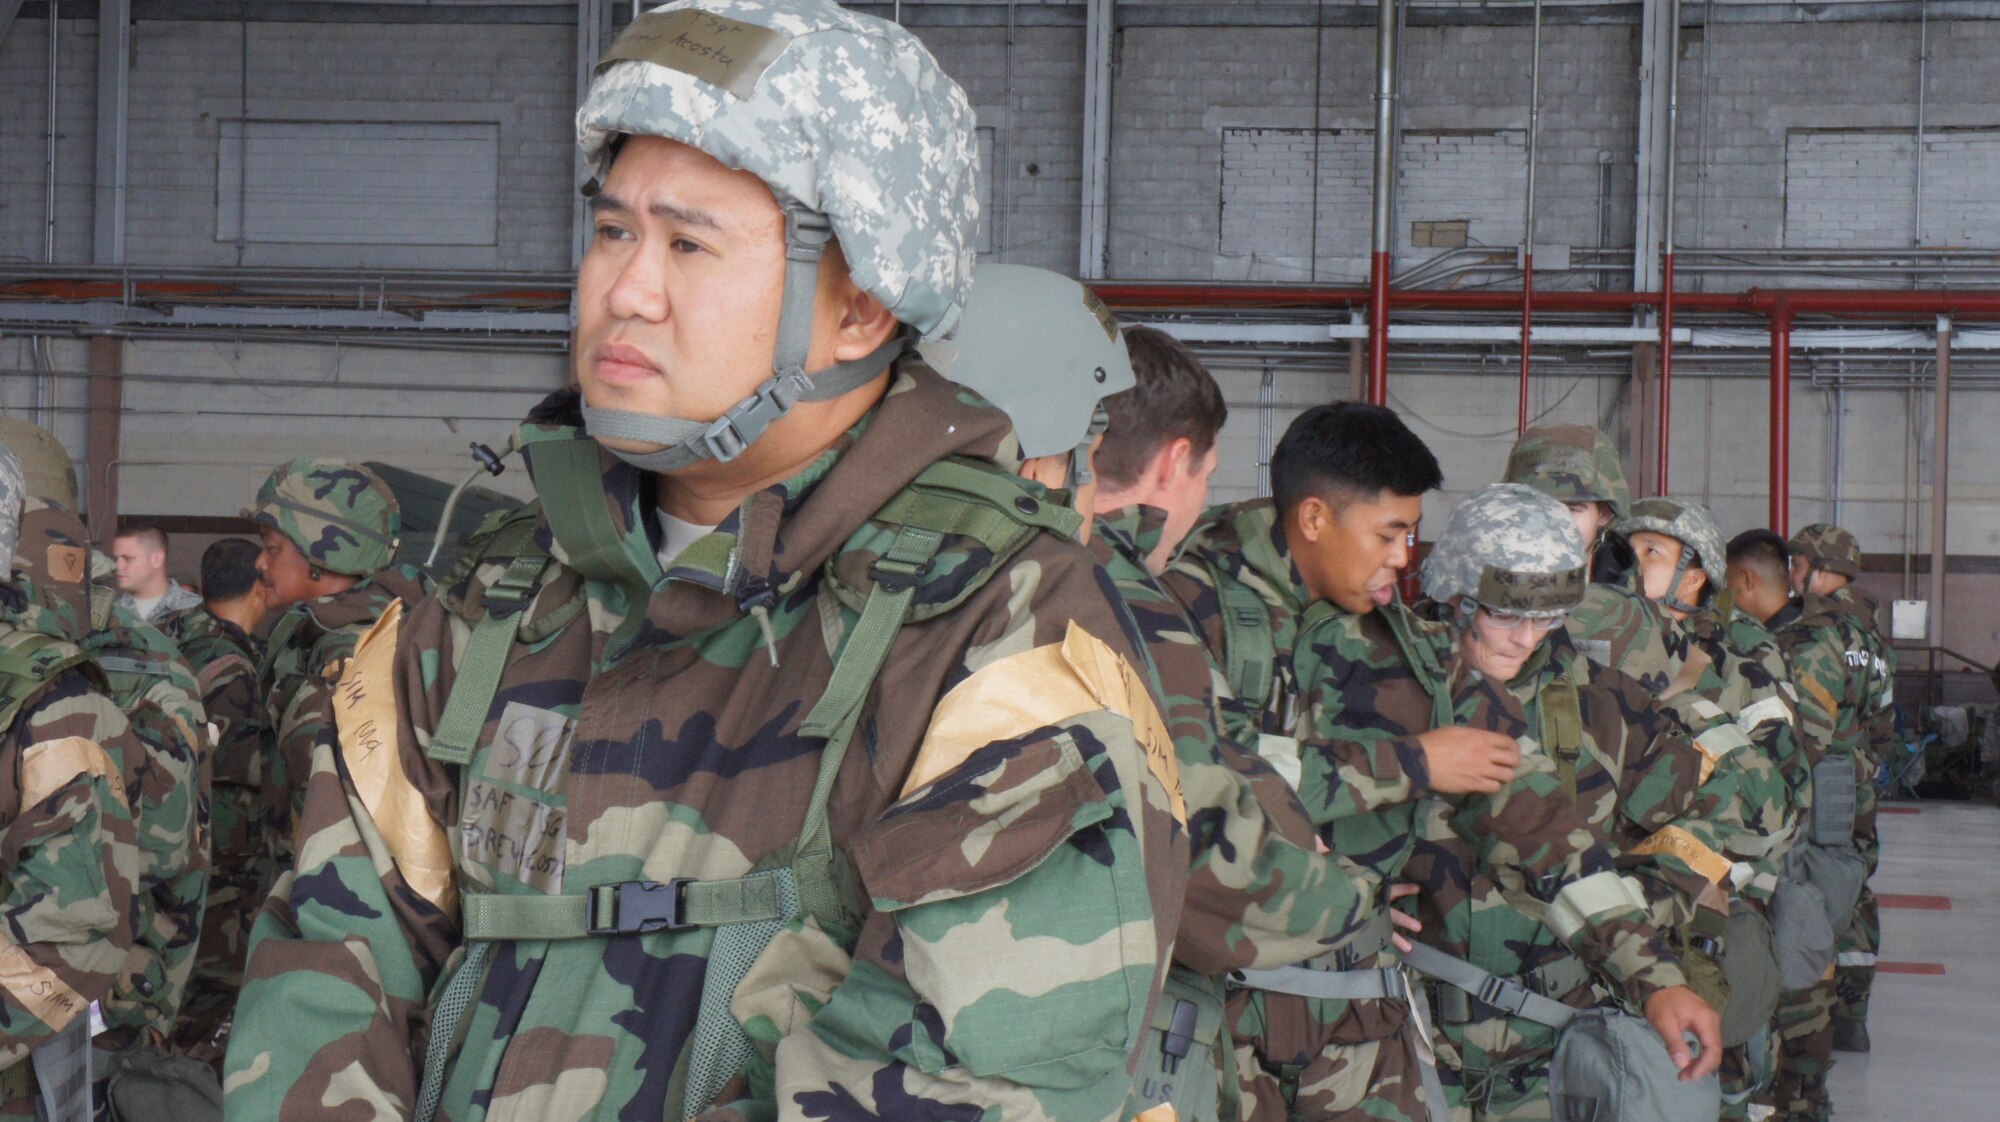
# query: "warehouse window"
[[1451, 185], [1857, 187], [358, 182]]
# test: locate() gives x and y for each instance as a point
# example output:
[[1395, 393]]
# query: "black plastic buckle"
[[807, 233], [1708, 945], [639, 907], [1179, 1036], [898, 580], [1501, 994]]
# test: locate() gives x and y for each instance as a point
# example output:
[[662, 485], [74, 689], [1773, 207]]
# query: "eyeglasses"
[[1515, 621]]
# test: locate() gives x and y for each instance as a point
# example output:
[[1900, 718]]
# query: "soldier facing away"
[[1825, 561], [73, 862], [219, 640], [788, 758]]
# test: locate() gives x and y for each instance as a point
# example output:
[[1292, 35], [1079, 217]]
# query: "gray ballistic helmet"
[[1509, 548], [852, 125], [1046, 351], [46, 467], [1701, 540], [13, 495]]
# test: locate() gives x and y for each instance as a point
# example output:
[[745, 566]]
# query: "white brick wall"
[[24, 109]]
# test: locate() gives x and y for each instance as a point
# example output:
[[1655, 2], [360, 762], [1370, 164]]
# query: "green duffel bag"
[[1610, 1066], [1750, 965]]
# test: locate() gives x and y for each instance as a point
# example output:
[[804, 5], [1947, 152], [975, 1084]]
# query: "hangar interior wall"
[[1227, 142]]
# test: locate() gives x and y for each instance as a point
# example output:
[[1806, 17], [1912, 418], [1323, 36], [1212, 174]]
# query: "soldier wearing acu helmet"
[[1260, 891], [1526, 919], [787, 757], [1576, 465], [73, 860], [1735, 689], [1825, 561], [329, 531]]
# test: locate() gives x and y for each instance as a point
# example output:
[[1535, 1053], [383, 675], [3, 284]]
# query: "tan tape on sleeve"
[[1712, 866], [1582, 901], [51, 765], [1768, 709], [1046, 686], [364, 708], [1717, 743], [37, 989], [1820, 695]]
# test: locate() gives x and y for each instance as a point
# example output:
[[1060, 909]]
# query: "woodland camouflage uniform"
[[1601, 764], [73, 863], [1836, 550], [1358, 708], [225, 658], [1843, 688], [345, 520], [148, 680]]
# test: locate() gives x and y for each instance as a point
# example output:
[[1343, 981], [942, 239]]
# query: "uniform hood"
[[1252, 531], [780, 536]]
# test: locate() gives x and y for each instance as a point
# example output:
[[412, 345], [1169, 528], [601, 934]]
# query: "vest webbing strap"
[[1562, 728], [1327, 985], [622, 908], [1249, 649], [479, 671], [634, 907], [838, 710], [1505, 994]]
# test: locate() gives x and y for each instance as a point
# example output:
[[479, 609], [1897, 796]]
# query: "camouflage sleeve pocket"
[[1020, 905]]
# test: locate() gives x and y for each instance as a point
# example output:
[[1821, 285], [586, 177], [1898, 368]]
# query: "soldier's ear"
[[1312, 518]]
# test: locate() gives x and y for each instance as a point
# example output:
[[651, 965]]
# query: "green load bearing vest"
[[954, 498]]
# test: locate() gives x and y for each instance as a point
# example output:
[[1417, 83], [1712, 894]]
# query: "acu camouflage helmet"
[[1571, 464], [859, 135], [1045, 350], [1695, 528], [1509, 548], [13, 494], [46, 468], [840, 114], [1828, 547], [340, 515]]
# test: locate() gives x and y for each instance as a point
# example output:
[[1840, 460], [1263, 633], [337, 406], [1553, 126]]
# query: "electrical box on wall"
[[1910, 619]]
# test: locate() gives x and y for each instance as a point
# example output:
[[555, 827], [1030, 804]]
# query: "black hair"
[[228, 569], [1347, 451], [1763, 550]]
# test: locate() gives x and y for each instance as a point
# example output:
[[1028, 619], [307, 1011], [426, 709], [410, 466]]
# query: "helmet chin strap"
[[1672, 600], [807, 234], [1080, 474]]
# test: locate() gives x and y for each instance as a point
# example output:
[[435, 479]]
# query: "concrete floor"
[[1936, 1037]]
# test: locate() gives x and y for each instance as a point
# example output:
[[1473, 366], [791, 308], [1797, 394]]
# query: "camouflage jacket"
[[1843, 683], [1259, 893], [1735, 692], [146, 678], [308, 646], [1241, 549], [225, 659], [1621, 629], [1883, 741], [1010, 809], [1641, 790], [72, 858]]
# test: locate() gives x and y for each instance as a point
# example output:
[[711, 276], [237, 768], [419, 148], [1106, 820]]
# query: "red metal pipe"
[[1982, 304], [1666, 417], [1378, 330], [1527, 328], [1781, 417]]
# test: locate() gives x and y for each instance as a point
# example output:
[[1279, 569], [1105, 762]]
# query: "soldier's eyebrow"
[[690, 216]]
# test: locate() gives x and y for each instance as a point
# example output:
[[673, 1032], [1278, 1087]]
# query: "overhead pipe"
[[1528, 219], [1781, 417], [1385, 184], [1664, 435]]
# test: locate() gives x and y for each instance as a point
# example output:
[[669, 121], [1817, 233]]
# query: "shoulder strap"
[[1562, 725], [29, 661], [1421, 657], [1249, 649], [569, 476]]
